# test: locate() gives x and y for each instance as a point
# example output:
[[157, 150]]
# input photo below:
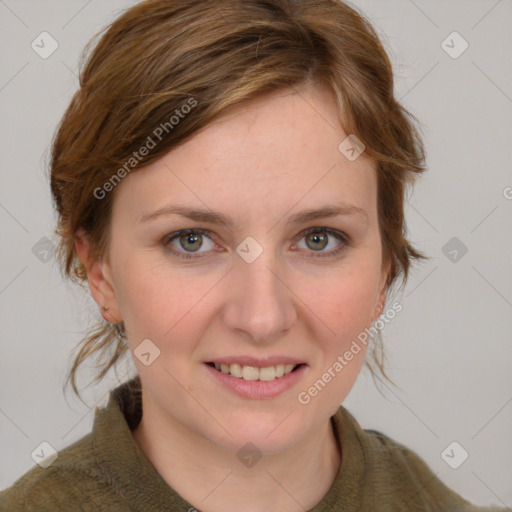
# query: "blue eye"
[[191, 241]]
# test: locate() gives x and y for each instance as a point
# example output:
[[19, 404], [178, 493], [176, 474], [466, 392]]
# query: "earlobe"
[[98, 278], [379, 308], [381, 298]]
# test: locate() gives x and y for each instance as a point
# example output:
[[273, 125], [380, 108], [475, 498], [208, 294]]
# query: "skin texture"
[[259, 165]]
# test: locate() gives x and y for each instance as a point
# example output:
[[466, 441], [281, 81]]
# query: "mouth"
[[255, 373]]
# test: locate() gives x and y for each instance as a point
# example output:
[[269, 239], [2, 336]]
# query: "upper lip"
[[259, 362]]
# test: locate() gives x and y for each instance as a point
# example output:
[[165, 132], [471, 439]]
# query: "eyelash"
[[342, 237]]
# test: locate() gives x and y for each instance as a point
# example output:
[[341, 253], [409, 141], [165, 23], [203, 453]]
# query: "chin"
[[266, 431]]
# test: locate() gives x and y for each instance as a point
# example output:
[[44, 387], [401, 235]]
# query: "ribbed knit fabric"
[[106, 471]]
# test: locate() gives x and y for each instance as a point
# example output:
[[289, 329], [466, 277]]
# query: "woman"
[[229, 180]]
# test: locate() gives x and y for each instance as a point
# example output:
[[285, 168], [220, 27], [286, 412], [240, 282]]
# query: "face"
[[267, 288]]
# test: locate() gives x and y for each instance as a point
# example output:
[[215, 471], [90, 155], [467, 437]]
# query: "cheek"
[[343, 309], [345, 301], [346, 310], [163, 304]]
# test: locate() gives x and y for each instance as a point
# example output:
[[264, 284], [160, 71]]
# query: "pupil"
[[191, 239], [318, 238]]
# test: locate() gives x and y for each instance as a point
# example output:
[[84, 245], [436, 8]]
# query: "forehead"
[[270, 155]]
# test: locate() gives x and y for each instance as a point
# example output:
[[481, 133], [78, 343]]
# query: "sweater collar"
[[122, 461], [136, 480]]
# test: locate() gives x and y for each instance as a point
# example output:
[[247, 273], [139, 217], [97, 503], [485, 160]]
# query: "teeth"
[[268, 373], [253, 373], [250, 373], [235, 370]]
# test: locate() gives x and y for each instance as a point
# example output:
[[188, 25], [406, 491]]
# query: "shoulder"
[[396, 469], [70, 479], [93, 473]]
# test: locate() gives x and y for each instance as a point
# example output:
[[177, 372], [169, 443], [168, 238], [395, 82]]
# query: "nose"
[[260, 303]]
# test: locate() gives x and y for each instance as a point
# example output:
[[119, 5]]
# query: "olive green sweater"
[[106, 471]]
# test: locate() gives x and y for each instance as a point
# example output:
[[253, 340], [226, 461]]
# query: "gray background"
[[448, 350]]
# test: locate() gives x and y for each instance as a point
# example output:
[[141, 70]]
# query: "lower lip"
[[258, 389]]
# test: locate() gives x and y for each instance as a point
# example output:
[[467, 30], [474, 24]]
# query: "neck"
[[214, 480]]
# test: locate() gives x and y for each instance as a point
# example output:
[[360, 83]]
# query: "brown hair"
[[160, 54]]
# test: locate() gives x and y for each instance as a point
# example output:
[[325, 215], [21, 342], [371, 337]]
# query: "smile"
[[251, 373], [259, 380]]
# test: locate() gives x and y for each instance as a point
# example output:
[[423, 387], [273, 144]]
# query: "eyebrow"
[[218, 218]]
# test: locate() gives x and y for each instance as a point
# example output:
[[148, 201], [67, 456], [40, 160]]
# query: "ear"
[[382, 289], [99, 278]]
